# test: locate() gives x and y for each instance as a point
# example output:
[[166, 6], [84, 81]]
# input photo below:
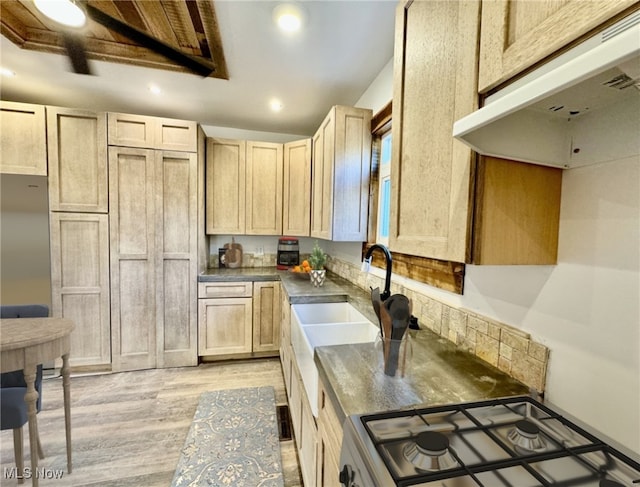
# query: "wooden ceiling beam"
[[189, 25]]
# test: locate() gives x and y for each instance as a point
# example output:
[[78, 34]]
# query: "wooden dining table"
[[24, 344]]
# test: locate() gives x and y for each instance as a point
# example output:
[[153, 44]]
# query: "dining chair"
[[13, 408]]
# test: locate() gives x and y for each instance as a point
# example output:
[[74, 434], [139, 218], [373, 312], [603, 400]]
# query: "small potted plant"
[[317, 260]]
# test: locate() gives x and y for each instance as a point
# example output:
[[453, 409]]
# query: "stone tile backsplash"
[[505, 347]]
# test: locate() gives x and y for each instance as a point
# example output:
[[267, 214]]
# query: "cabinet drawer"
[[224, 289]]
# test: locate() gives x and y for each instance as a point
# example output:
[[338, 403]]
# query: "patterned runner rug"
[[233, 441]]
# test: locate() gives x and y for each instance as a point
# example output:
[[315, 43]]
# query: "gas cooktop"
[[511, 442]]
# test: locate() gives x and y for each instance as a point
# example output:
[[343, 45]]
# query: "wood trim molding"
[[438, 273], [381, 120]]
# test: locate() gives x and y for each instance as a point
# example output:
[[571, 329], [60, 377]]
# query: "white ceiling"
[[341, 49]]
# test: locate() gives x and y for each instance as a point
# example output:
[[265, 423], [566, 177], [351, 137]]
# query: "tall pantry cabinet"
[[79, 230], [153, 190]]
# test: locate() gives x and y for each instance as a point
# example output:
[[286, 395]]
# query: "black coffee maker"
[[288, 253]]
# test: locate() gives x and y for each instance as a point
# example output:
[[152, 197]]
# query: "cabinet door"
[[77, 147], [430, 171], [351, 161], [224, 326], [80, 283], [285, 320], [132, 239], [176, 135], [23, 145], [263, 188], [225, 188], [266, 316], [176, 244], [128, 130], [307, 444], [322, 179], [295, 397], [517, 34], [296, 206], [517, 213]]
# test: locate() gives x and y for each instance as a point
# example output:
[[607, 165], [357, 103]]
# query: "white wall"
[[380, 91], [585, 309], [233, 133]]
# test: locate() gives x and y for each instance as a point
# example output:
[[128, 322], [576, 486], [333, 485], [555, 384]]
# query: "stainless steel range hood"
[[581, 108]]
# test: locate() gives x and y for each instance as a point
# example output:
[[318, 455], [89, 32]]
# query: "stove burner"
[[526, 435], [609, 483], [430, 452]]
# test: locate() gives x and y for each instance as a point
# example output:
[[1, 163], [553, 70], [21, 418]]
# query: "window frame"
[[442, 274]]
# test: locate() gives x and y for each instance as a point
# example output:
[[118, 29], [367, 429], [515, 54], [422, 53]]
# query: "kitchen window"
[[442, 274], [384, 189]]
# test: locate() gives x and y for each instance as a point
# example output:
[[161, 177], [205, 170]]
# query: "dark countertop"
[[440, 373], [215, 274]]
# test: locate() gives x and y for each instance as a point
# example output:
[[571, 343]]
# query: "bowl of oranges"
[[301, 271]]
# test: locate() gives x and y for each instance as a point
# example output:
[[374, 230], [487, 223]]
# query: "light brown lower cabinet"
[[225, 316], [266, 316], [238, 318], [329, 441], [225, 326], [304, 426]]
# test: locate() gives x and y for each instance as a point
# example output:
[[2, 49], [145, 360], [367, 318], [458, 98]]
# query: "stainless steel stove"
[[510, 442]]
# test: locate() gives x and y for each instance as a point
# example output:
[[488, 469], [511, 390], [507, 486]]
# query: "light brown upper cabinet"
[[516, 213], [296, 207], [263, 189], [340, 175], [244, 188], [226, 169], [128, 130], [23, 144], [502, 213], [516, 34], [434, 85], [77, 148]]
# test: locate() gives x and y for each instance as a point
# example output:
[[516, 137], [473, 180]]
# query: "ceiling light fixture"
[[65, 12], [276, 105], [7, 73], [155, 89], [288, 17]]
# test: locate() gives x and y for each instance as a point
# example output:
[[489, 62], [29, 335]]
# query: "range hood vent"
[[581, 108]]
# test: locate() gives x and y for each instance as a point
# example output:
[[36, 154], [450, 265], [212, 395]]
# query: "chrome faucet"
[[367, 262]]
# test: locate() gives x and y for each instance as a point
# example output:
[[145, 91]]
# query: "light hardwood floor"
[[128, 428]]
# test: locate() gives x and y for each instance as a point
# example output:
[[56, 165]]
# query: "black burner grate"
[[512, 457]]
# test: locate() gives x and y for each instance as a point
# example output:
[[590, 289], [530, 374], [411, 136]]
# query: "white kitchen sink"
[[322, 324], [322, 313]]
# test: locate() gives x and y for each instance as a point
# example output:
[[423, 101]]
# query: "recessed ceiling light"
[[7, 72], [276, 105], [288, 17], [155, 89], [65, 12]]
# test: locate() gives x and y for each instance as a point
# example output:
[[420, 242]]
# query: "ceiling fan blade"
[[77, 55], [199, 66]]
